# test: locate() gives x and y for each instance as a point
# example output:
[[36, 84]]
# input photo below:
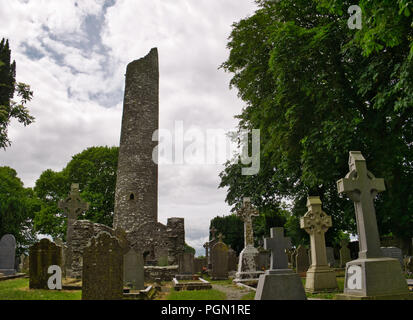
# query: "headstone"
[[232, 259], [301, 259], [331, 261], [7, 255], [43, 255], [279, 283], [393, 252], [73, 206], [371, 276], [248, 258], [320, 277], [264, 258], [408, 264], [200, 264], [219, 256], [344, 253], [133, 270], [186, 263], [102, 277]]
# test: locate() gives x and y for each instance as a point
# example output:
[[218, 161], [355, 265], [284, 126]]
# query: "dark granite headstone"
[[232, 259], [186, 263], [7, 255], [301, 258], [42, 255]]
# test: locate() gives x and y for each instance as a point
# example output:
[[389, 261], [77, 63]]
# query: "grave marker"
[[279, 283], [371, 276]]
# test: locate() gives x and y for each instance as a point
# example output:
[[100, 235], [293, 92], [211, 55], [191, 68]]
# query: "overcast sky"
[[74, 56]]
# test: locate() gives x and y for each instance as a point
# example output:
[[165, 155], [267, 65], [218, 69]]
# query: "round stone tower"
[[136, 197]]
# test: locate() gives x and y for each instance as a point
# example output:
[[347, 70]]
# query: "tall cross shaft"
[[361, 186], [277, 244], [246, 213], [316, 223]]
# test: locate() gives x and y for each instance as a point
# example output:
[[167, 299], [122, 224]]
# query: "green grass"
[[249, 296], [196, 295], [221, 282], [328, 295], [18, 289]]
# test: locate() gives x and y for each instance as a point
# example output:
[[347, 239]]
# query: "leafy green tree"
[[8, 87], [317, 89], [95, 170], [17, 207]]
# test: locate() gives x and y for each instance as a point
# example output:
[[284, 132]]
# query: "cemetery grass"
[[18, 289], [196, 295], [327, 295]]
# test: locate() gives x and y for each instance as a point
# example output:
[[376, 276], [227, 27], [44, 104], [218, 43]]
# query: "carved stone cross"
[[278, 245], [73, 205], [361, 186], [246, 213], [213, 232], [316, 223]]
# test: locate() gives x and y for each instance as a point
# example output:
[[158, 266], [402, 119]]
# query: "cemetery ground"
[[18, 289]]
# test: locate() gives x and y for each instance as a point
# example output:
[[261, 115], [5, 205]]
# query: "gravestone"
[[200, 264], [219, 257], [280, 282], [42, 255], [344, 253], [102, 277], [320, 277], [408, 264], [371, 276], [301, 259], [264, 258], [232, 259], [73, 206], [7, 255], [331, 261], [133, 270], [206, 247], [186, 263], [393, 252], [248, 258]]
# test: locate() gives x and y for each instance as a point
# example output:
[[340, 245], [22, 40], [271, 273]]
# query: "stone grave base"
[[11, 277], [199, 284], [186, 277], [320, 279], [148, 293], [280, 285], [8, 272], [375, 278]]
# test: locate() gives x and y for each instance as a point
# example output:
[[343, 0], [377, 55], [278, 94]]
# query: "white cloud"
[[78, 85]]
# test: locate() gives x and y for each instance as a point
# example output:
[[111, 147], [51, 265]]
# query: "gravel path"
[[232, 292]]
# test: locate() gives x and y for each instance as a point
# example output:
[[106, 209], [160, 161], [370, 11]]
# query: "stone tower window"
[[132, 196]]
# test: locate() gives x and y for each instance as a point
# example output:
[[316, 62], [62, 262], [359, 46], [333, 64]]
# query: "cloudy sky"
[[74, 56]]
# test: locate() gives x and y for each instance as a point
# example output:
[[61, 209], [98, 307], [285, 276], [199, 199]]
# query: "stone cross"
[[277, 244], [361, 186], [220, 237], [73, 206], [246, 213], [316, 223], [213, 232]]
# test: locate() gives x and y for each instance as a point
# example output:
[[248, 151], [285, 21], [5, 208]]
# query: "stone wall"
[[83, 231], [159, 242]]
